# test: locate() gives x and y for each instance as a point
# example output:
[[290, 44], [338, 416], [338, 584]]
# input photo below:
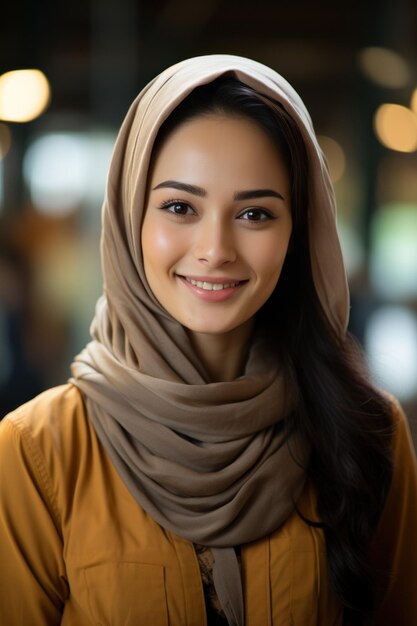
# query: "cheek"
[[269, 259], [154, 236], [158, 245]]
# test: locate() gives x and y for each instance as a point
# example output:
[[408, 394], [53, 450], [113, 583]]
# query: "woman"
[[218, 456]]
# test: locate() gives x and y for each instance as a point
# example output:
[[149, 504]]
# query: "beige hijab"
[[207, 461]]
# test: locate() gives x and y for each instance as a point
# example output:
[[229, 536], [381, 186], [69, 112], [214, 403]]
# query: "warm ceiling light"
[[24, 95], [385, 67], [396, 127]]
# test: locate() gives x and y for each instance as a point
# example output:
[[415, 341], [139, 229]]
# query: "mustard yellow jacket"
[[76, 548]]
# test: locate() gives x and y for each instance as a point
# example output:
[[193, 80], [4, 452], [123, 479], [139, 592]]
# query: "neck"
[[224, 356]]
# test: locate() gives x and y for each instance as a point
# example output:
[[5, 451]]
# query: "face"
[[217, 223]]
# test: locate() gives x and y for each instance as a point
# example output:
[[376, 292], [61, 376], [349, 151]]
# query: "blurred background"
[[68, 73]]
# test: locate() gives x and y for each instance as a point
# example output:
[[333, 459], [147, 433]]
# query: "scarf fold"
[[210, 462], [198, 458], [227, 582]]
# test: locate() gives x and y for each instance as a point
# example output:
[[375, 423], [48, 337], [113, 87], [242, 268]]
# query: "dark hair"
[[344, 418]]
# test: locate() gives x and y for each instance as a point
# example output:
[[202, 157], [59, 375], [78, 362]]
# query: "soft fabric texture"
[[77, 550], [205, 460]]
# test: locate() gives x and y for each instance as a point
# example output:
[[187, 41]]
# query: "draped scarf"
[[209, 461]]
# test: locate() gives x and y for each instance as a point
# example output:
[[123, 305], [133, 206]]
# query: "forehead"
[[232, 142]]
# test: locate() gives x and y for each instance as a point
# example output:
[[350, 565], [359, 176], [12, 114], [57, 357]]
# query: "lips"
[[212, 289], [211, 286]]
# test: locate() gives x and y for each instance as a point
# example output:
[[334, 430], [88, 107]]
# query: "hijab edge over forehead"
[[130, 164]]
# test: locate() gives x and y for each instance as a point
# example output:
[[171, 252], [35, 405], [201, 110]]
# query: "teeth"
[[210, 286]]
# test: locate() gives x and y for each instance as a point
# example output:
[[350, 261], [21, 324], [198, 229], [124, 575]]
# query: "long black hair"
[[344, 418]]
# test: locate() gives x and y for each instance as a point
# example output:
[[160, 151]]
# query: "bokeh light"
[[391, 345], [393, 267], [335, 156], [384, 67], [66, 170], [396, 127], [24, 95]]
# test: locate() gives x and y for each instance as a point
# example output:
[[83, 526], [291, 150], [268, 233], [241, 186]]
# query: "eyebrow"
[[249, 194], [175, 184]]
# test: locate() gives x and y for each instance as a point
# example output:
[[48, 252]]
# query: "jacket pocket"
[[126, 594]]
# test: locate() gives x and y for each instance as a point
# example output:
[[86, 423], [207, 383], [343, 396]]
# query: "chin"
[[219, 329]]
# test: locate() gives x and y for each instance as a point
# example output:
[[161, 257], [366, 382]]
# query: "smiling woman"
[[213, 253], [219, 455]]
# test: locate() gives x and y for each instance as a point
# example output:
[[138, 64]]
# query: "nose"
[[214, 244]]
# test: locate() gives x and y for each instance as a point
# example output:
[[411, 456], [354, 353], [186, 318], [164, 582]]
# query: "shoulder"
[[51, 415], [394, 547], [48, 407], [401, 501], [397, 412], [402, 442], [44, 438]]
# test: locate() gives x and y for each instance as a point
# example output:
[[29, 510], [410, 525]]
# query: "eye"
[[256, 215], [177, 207]]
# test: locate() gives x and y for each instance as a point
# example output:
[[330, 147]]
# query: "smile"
[[210, 286]]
